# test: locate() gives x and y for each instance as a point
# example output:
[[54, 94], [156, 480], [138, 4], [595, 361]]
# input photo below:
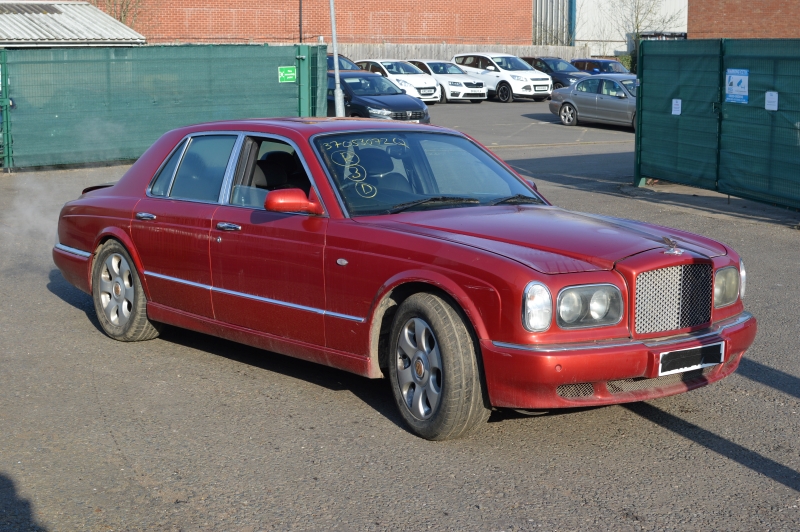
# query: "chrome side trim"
[[258, 298], [713, 331], [78, 252]]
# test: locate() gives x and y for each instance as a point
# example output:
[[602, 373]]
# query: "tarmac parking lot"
[[190, 432]]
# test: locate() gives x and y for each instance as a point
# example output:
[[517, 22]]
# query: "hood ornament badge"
[[673, 247]]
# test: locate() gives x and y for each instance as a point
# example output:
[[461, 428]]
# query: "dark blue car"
[[371, 95], [564, 74], [600, 66]]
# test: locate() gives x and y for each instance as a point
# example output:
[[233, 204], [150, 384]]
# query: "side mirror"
[[595, 70], [293, 200], [403, 91], [347, 97], [490, 67], [621, 95], [531, 183]]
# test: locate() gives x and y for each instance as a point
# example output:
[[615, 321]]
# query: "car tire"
[[633, 123], [476, 101], [118, 296], [558, 86], [568, 115], [433, 369], [504, 93], [442, 95], [540, 98]]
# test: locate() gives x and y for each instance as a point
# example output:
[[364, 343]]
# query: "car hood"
[[548, 239], [416, 80], [392, 102], [461, 78]]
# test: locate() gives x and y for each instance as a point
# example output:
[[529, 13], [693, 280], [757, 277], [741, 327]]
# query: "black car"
[[564, 74], [371, 95], [344, 63], [600, 66]]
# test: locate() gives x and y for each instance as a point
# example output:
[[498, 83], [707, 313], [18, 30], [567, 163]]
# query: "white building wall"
[[596, 26]]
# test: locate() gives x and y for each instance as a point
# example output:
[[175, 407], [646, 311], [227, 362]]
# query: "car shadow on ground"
[[775, 379], [15, 512], [726, 448], [59, 287]]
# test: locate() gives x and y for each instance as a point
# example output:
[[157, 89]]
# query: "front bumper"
[[466, 93], [531, 89], [602, 373]]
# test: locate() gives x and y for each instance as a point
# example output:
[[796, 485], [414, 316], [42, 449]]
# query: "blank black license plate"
[[691, 359]]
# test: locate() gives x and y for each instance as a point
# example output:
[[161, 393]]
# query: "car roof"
[[487, 54], [431, 61], [596, 60], [615, 75], [379, 60], [352, 73]]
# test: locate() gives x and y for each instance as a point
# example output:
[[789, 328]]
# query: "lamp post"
[[338, 95], [300, 23]]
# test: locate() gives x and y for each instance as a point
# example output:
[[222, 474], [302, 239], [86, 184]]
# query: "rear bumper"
[[602, 373], [74, 266]]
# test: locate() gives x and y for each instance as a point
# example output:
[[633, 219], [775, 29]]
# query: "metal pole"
[[301, 21], [338, 95]]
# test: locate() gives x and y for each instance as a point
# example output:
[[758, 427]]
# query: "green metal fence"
[[707, 116], [84, 105]]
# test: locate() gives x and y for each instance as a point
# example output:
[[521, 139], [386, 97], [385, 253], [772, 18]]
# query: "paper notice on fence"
[[736, 82], [676, 107], [771, 101]]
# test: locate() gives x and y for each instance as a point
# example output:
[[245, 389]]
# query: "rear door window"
[[590, 85], [202, 169]]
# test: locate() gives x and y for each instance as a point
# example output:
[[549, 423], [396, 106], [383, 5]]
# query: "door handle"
[[145, 216], [225, 226]]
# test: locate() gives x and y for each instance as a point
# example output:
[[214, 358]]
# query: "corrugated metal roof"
[[31, 24]]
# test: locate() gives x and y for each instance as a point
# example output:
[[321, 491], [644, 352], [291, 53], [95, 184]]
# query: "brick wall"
[[744, 19], [365, 21]]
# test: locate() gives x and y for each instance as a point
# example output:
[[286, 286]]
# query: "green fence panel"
[[760, 149], [680, 148], [84, 105]]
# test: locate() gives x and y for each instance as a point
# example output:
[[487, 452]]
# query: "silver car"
[[607, 98]]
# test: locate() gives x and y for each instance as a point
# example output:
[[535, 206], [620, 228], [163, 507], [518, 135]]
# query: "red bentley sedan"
[[406, 252]]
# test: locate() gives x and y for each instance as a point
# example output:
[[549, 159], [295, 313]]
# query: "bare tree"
[[125, 11], [632, 18]]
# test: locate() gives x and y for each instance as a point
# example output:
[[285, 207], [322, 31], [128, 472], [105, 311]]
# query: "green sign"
[[287, 74]]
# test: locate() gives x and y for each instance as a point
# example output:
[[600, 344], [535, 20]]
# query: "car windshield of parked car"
[[559, 65], [613, 66], [389, 172], [371, 86], [511, 63], [630, 85], [445, 68], [344, 64], [400, 67]]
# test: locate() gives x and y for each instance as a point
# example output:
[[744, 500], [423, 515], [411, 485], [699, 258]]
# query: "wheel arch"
[[118, 234], [397, 290]]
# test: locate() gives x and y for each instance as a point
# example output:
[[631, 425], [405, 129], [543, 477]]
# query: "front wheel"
[[442, 95], [558, 86], [118, 296], [504, 93], [568, 115], [433, 369]]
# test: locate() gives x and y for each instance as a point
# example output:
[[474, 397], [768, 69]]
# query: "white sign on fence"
[[771, 101]]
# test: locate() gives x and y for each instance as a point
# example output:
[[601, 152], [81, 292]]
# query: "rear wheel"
[[433, 369], [568, 115], [442, 95], [504, 93], [118, 296]]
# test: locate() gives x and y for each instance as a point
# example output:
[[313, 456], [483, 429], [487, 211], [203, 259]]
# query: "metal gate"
[[722, 115]]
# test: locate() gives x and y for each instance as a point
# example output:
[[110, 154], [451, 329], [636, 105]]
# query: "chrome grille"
[[673, 298], [403, 115], [583, 389], [473, 84], [641, 383]]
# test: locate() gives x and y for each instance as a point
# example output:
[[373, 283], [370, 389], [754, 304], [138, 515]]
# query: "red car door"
[[267, 267], [171, 225]]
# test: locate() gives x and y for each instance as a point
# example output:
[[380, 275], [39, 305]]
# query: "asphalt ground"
[[189, 432]]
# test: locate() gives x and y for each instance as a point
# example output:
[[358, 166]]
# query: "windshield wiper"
[[516, 199], [434, 199]]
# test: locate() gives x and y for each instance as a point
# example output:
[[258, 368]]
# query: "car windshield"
[[388, 172], [613, 66], [371, 86], [445, 68], [400, 67], [511, 63], [344, 63], [629, 84], [559, 65]]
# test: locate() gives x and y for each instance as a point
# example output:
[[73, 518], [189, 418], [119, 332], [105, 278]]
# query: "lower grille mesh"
[[583, 389], [642, 383], [673, 298]]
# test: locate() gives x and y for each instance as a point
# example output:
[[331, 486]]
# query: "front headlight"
[[571, 80], [454, 83], [518, 78], [404, 83], [581, 307], [742, 279], [537, 307], [726, 286], [379, 113]]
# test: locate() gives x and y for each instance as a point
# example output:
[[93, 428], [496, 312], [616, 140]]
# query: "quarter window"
[[161, 184], [203, 167], [590, 85]]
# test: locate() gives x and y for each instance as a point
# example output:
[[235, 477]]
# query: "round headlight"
[[742, 278], [537, 308], [571, 307], [598, 306]]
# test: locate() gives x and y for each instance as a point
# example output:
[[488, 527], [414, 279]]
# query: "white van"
[[506, 76]]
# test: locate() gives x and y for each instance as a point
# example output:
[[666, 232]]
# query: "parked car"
[[344, 63], [406, 76], [562, 73], [506, 76], [600, 66], [405, 252], [454, 83], [606, 98], [369, 95]]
